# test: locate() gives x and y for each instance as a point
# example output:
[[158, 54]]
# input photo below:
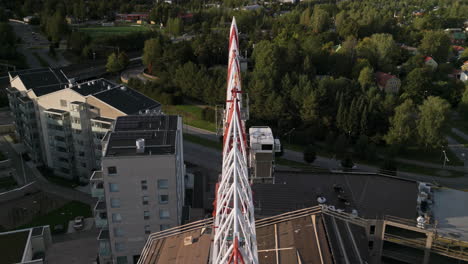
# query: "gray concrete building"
[[140, 186], [61, 123]]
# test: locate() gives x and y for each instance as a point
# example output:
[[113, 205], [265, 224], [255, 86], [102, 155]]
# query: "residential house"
[[429, 61], [387, 82]]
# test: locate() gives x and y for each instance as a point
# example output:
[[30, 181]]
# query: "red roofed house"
[[429, 61], [387, 82]]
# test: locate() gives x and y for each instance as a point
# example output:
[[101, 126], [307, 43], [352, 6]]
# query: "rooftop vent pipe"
[[140, 145]]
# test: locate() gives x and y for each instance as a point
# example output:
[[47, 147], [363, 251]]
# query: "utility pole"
[[445, 157]]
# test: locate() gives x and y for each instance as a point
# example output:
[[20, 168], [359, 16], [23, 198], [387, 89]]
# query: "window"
[[163, 199], [147, 229], [113, 187], [164, 213], [372, 229], [163, 184], [145, 200], [115, 202], [146, 215], [119, 246], [164, 227], [122, 260], [116, 218], [81, 154], [144, 185], [63, 103], [118, 232], [267, 147], [83, 165], [112, 170]]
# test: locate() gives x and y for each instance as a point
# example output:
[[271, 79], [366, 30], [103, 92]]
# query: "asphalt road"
[[34, 42], [204, 156]]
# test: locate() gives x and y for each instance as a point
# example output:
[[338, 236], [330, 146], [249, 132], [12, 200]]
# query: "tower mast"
[[234, 226]]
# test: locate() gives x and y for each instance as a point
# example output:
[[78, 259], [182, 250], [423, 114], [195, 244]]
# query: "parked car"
[[78, 224]]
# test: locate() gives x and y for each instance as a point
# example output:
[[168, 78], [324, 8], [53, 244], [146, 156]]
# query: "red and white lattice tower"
[[235, 238]]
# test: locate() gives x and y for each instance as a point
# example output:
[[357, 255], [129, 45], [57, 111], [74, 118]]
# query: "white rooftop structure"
[[261, 138]]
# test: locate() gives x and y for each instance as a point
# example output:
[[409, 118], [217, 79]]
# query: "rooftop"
[[382, 78], [261, 135], [158, 131], [452, 217], [93, 87], [304, 236], [42, 80], [12, 245], [363, 192], [127, 100]]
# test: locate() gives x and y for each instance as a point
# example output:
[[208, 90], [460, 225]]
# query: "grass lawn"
[[432, 156], [61, 216], [41, 60], [7, 183], [203, 141], [95, 32], [191, 115]]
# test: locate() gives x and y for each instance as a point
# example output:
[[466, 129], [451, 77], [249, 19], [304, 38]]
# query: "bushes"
[[209, 114]]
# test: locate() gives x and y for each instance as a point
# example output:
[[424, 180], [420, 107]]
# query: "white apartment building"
[[141, 184], [61, 123]]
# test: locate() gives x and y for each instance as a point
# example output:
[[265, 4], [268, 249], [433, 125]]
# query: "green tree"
[[418, 84], [341, 146], [152, 52], [113, 65], [463, 105], [433, 118], [435, 44], [320, 20], [402, 125], [366, 78], [309, 154], [123, 60], [309, 111], [56, 27]]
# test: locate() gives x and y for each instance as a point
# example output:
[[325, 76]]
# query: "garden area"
[[193, 115], [59, 218]]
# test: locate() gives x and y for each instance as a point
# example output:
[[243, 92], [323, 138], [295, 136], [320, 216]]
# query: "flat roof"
[[56, 111], [367, 193], [450, 210], [93, 86], [127, 100], [261, 135], [42, 80], [12, 246], [158, 131], [301, 238]]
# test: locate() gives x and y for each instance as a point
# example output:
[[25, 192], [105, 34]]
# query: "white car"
[[78, 224]]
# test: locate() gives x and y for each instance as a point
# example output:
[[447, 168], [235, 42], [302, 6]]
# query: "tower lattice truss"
[[234, 226]]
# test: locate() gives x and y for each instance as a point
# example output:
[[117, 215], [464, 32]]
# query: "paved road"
[[32, 174], [34, 42], [205, 156]]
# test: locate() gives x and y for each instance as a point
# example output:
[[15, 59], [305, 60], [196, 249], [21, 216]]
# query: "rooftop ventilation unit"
[[123, 88], [140, 145]]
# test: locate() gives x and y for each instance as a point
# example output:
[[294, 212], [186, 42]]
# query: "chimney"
[[140, 145]]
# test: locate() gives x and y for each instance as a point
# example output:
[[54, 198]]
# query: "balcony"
[[100, 206], [97, 186], [104, 244], [100, 218]]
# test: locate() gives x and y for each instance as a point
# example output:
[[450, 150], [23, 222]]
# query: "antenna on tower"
[[235, 238]]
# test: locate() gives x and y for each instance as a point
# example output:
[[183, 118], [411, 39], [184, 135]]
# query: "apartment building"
[[141, 184], [61, 123]]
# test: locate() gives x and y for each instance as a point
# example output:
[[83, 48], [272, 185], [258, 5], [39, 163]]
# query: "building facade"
[[140, 186], [61, 123]]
